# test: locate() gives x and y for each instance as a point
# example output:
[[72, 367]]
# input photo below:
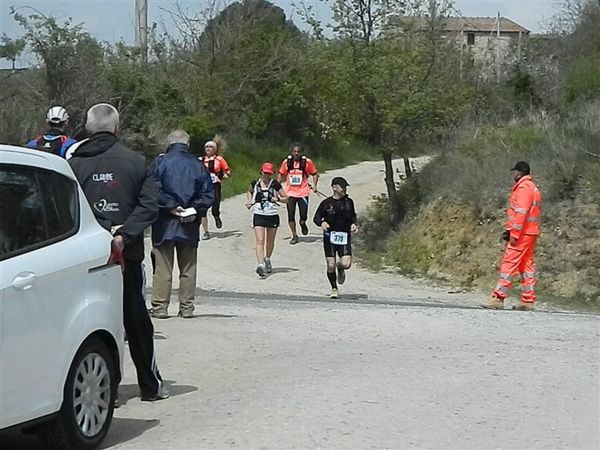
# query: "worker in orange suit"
[[521, 233]]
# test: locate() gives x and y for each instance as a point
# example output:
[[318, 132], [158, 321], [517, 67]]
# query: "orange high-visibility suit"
[[524, 226]]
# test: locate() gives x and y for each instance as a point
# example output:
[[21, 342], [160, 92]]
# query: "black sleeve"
[[352, 211], [318, 219], [277, 186], [146, 210]]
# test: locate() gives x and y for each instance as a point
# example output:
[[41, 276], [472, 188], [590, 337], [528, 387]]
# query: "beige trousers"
[[163, 275]]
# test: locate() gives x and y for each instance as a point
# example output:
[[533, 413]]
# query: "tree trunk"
[[393, 207], [407, 168]]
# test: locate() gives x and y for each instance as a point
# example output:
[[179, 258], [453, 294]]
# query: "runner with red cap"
[[264, 197]]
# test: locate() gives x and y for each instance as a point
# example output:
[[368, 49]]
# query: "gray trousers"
[[163, 275]]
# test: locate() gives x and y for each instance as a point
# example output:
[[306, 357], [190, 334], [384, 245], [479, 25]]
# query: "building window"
[[471, 38]]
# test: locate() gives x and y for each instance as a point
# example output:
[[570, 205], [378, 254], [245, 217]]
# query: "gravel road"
[[227, 263], [278, 374], [395, 363]]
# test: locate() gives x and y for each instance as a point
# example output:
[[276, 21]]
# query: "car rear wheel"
[[88, 400]]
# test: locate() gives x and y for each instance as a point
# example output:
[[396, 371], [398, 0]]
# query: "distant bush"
[[583, 79], [245, 155]]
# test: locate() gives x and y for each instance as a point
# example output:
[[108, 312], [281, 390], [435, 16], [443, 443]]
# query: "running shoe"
[[334, 293], [304, 228], [294, 240], [268, 265], [341, 274], [218, 222], [260, 270], [206, 236]]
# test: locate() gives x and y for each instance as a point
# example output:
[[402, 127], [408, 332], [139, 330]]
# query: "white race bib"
[[213, 178], [296, 180], [338, 237]]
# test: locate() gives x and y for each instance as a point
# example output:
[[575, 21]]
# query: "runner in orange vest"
[[218, 169], [521, 233], [296, 169]]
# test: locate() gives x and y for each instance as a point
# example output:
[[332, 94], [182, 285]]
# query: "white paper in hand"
[[187, 212]]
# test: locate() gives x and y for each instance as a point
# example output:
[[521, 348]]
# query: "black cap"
[[522, 166], [340, 181]]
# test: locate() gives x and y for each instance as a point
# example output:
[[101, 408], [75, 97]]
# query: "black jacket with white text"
[[119, 187]]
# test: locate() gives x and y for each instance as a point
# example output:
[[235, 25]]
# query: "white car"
[[61, 314]]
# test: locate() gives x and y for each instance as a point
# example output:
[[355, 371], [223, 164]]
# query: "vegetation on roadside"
[[248, 73], [456, 204], [245, 153]]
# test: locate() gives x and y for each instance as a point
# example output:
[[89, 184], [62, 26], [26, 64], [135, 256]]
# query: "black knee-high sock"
[[332, 279]]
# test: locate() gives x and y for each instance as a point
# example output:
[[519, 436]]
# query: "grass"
[[245, 157], [453, 233]]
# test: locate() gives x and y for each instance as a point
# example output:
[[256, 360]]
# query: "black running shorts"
[[302, 203], [331, 250], [265, 221]]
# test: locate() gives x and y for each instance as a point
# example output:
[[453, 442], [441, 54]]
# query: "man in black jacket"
[[123, 193]]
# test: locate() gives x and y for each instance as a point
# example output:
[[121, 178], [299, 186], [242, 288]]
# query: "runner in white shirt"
[[263, 198]]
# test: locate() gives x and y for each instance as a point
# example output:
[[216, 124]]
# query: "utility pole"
[[519, 47], [498, 62], [141, 26], [462, 46]]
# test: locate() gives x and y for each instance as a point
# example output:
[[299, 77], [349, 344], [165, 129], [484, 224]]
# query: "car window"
[[60, 203], [30, 216]]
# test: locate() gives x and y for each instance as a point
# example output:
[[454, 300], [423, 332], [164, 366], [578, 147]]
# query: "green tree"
[[245, 69], [11, 49], [395, 83], [71, 59]]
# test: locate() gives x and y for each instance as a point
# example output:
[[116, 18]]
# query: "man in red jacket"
[[521, 233]]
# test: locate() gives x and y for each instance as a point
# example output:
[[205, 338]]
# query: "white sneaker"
[[206, 236], [260, 270]]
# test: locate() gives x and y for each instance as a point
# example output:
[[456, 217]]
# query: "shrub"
[[582, 81], [453, 230]]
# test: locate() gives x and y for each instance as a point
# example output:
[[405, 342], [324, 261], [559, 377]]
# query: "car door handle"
[[24, 281]]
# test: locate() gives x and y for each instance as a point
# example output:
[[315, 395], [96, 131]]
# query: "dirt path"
[[227, 261]]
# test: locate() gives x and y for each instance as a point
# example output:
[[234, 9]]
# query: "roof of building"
[[474, 24], [486, 24]]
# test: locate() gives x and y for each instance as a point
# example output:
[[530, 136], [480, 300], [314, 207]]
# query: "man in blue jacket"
[[185, 192]]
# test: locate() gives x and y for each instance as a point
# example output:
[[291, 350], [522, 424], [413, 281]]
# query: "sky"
[[112, 20]]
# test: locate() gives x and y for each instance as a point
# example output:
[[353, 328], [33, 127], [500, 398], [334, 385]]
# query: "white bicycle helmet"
[[57, 115]]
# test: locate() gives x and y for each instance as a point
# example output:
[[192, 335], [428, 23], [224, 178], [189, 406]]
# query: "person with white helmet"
[[56, 140]]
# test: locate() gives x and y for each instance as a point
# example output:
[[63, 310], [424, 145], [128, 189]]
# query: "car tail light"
[[116, 256]]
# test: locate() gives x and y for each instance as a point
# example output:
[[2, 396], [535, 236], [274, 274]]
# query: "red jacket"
[[524, 209]]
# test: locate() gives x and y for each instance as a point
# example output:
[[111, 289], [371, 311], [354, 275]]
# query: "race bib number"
[[295, 180], [213, 178], [338, 238]]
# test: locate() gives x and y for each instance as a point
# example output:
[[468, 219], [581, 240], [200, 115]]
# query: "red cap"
[[267, 168]]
